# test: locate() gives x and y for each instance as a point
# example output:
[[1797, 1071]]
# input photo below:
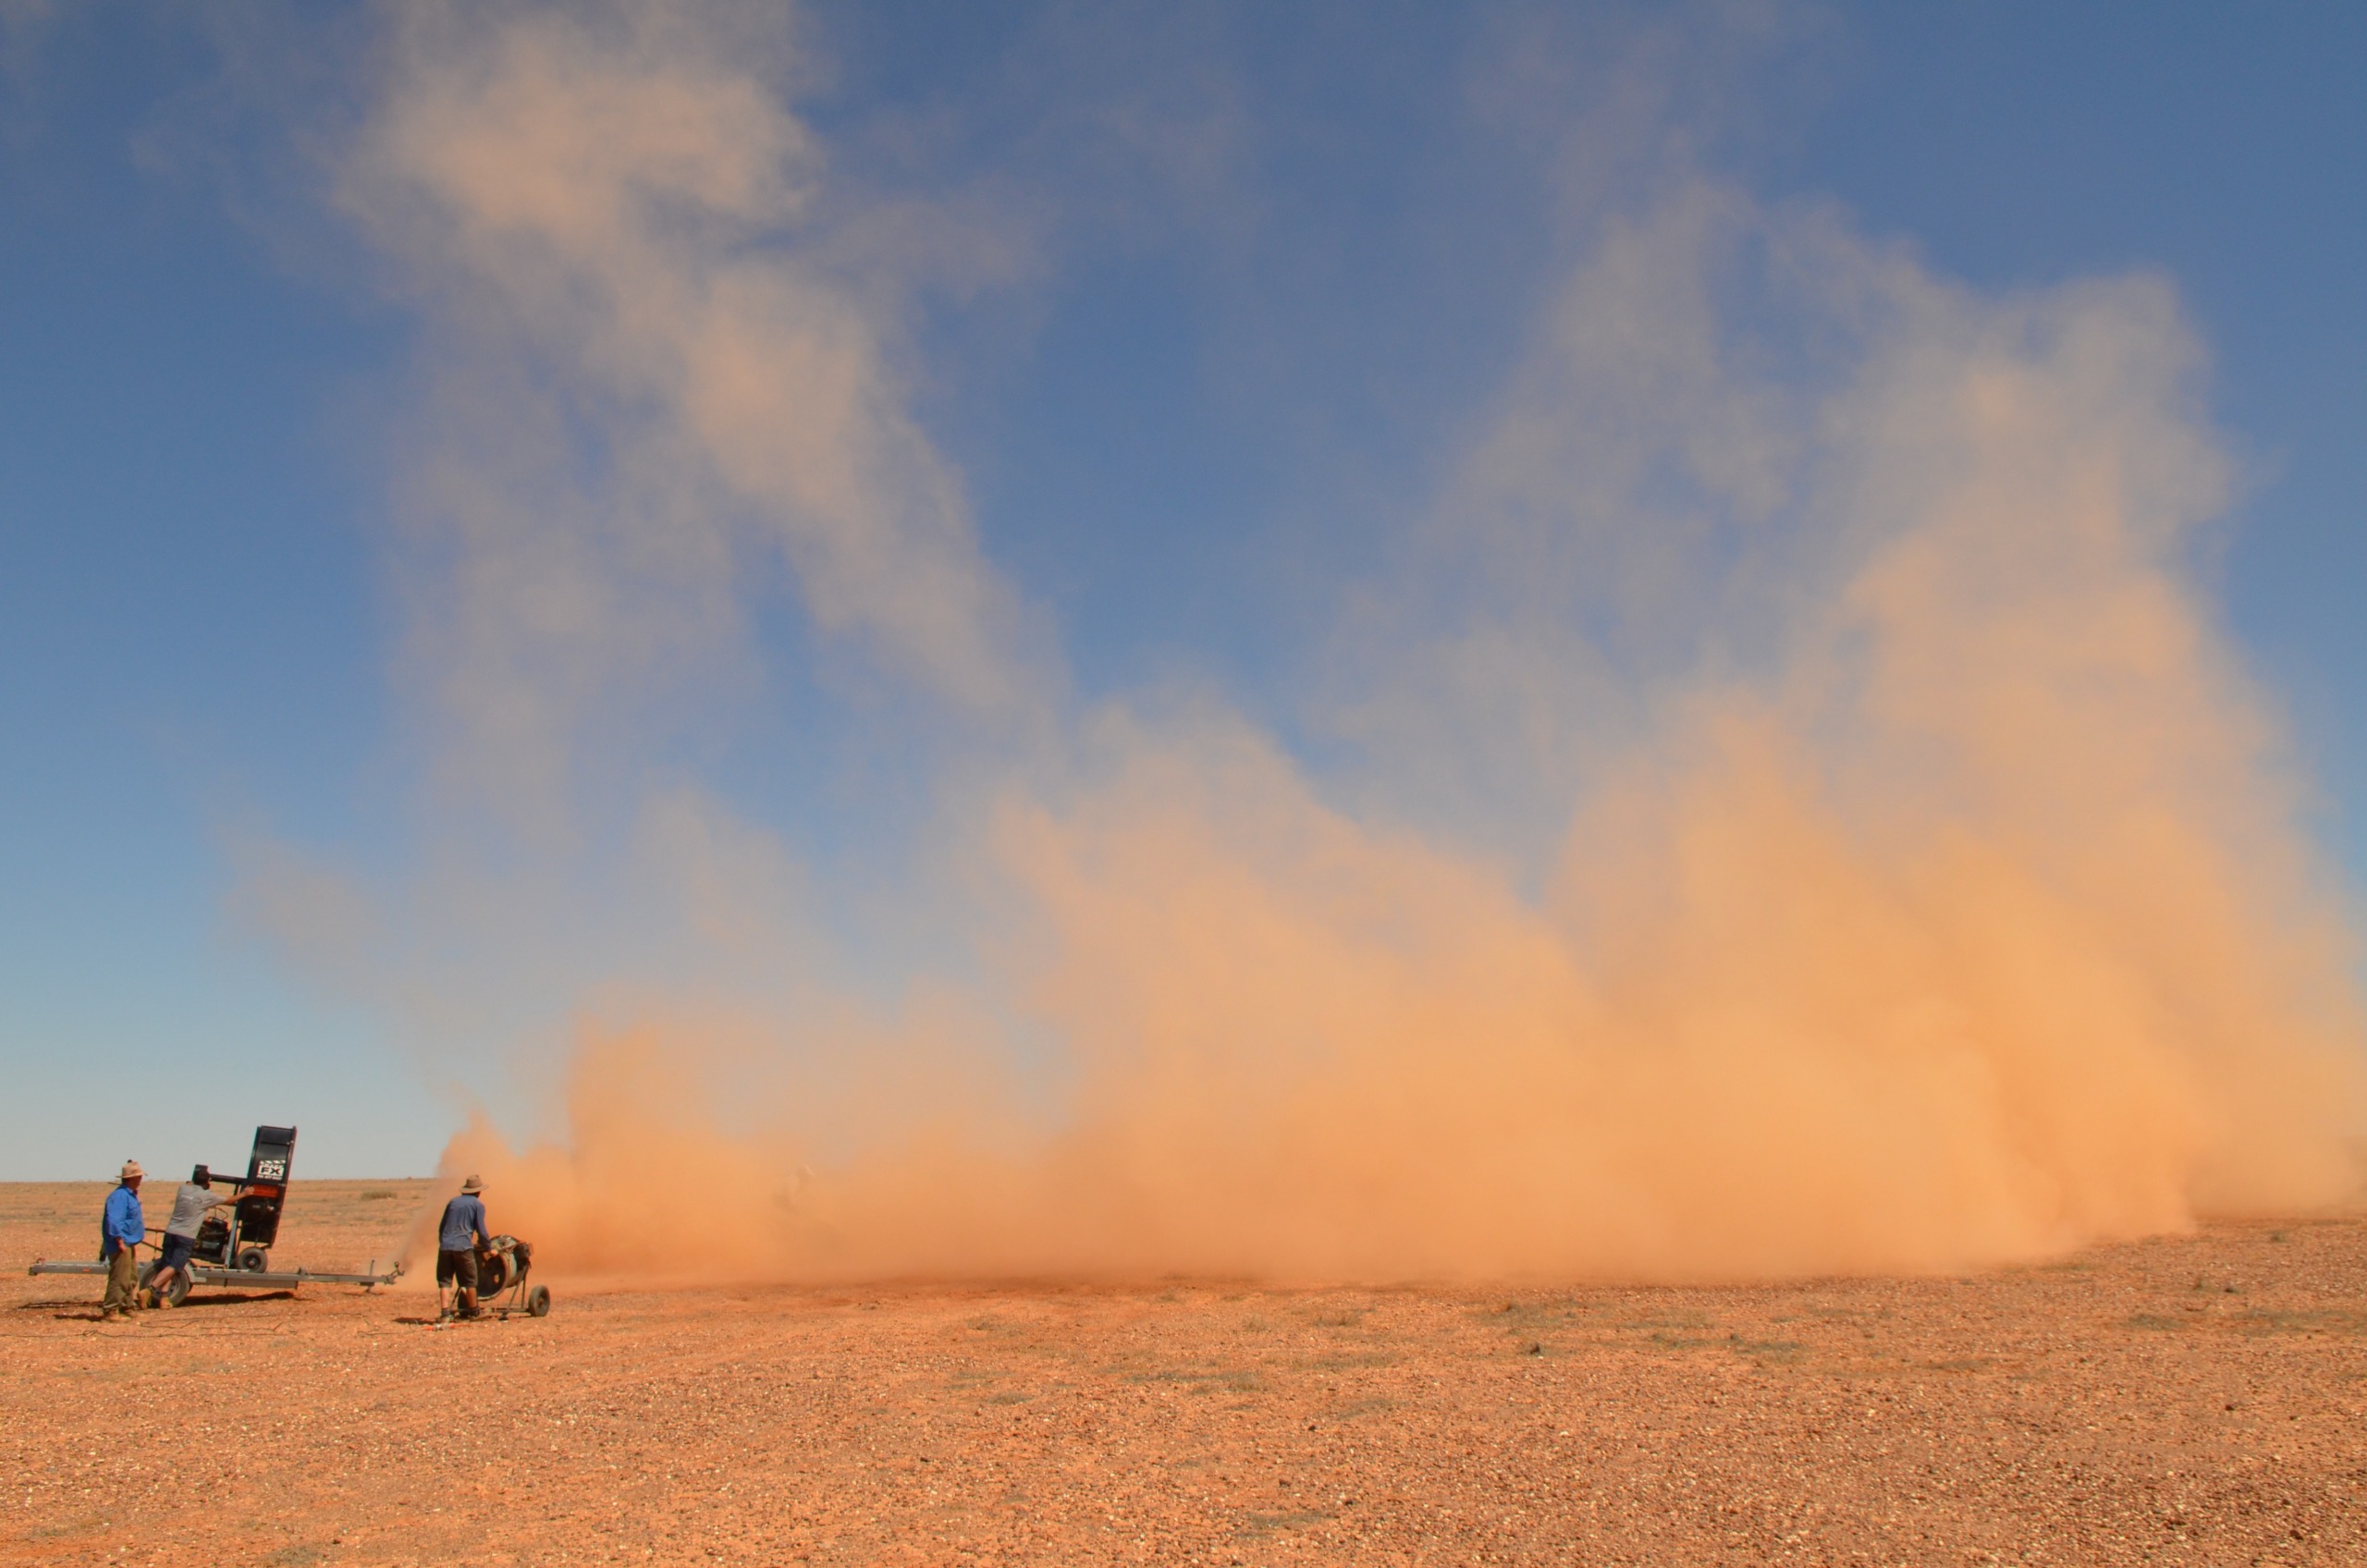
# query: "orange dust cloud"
[[1929, 893]]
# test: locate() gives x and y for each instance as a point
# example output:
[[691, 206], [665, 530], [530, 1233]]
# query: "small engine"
[[503, 1263]]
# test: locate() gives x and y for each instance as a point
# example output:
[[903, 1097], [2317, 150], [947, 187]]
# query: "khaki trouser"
[[123, 1281]]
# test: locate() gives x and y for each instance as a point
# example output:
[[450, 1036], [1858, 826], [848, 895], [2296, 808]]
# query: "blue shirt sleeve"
[[124, 1225]]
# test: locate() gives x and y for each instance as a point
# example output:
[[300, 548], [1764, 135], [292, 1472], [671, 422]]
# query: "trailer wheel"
[[538, 1302], [176, 1292], [253, 1260]]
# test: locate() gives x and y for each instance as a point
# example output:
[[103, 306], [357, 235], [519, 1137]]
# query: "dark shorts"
[[458, 1267], [177, 1250]]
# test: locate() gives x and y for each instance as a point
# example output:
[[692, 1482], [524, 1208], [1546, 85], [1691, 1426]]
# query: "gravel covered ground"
[[2197, 1399]]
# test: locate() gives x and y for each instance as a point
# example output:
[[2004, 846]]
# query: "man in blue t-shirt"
[[464, 1229], [121, 1227]]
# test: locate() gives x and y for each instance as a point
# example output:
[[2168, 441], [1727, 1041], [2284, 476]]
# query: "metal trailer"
[[201, 1274], [237, 1250]]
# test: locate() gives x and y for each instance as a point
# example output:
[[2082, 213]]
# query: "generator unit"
[[243, 1239]]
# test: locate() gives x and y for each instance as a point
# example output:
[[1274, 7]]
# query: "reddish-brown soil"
[[2199, 1399]]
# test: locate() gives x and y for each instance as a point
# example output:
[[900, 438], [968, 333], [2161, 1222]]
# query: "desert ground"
[[2189, 1400]]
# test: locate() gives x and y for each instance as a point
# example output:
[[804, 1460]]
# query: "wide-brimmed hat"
[[131, 1169], [472, 1185]]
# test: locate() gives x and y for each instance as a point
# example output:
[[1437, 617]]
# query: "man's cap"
[[203, 1176], [472, 1185], [131, 1169]]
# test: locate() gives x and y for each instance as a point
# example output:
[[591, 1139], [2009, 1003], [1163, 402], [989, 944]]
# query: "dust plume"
[[1793, 807], [658, 360]]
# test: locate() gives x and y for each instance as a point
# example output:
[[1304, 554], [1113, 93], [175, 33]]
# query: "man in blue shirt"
[[121, 1227], [457, 1238]]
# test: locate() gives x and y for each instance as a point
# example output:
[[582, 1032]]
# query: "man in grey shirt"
[[195, 1200]]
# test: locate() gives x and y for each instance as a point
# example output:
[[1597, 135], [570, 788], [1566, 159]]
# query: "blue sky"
[[1268, 267]]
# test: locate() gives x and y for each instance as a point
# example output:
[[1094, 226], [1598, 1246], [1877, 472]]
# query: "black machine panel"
[[265, 1187], [274, 1152]]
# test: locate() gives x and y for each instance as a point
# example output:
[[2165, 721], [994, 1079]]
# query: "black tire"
[[253, 1260], [538, 1302], [178, 1291]]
